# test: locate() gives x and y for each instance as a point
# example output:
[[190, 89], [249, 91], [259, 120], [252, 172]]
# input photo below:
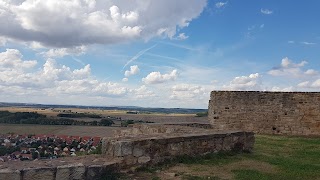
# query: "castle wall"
[[291, 113]]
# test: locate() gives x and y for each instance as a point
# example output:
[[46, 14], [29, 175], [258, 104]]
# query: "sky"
[[168, 53]]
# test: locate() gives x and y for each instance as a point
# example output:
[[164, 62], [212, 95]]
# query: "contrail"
[[138, 55], [78, 60]]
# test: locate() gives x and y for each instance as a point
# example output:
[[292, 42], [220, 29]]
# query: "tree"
[[106, 122], [202, 114]]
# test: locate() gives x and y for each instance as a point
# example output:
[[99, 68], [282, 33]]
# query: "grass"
[[274, 157]]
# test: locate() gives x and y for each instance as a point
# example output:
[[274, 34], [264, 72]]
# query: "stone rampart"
[[290, 113], [157, 148]]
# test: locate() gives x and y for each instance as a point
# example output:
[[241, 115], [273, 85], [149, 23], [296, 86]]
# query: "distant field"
[[54, 112], [154, 117], [100, 131]]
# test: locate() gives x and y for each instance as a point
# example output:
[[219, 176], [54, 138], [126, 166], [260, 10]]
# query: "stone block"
[[117, 151], [130, 160], [144, 159], [8, 174], [126, 147], [71, 172], [138, 151], [38, 174], [95, 172]]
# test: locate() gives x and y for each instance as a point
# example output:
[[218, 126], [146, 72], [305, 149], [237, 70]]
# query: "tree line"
[[35, 118]]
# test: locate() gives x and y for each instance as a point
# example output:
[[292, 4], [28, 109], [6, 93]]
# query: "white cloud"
[[250, 82], [285, 89], [311, 72], [36, 45], [3, 41], [65, 23], [125, 79], [291, 42], [188, 91], [288, 68], [12, 59], [286, 63], [157, 77], [133, 71], [315, 84], [304, 84], [52, 79], [266, 11], [61, 52], [142, 92], [182, 36], [308, 43], [221, 4], [310, 84]]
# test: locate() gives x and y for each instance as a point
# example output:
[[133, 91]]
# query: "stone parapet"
[[155, 149]]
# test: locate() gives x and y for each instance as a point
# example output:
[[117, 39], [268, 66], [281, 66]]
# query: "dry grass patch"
[[221, 172]]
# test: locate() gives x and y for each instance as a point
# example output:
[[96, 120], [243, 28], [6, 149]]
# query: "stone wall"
[[152, 150], [291, 113], [77, 171]]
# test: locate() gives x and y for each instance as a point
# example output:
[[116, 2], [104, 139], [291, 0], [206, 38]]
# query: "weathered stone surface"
[[130, 160], [72, 171], [8, 174], [292, 113], [126, 147], [157, 149], [227, 143], [38, 174], [94, 172], [144, 159], [137, 151], [117, 151]]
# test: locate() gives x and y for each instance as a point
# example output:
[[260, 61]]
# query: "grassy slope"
[[274, 157]]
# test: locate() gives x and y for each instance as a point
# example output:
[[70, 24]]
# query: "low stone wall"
[[64, 172], [152, 150]]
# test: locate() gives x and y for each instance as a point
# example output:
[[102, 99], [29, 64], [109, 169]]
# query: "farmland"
[[88, 130], [100, 131]]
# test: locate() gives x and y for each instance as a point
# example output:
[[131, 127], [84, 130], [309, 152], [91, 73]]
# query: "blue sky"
[[168, 53]]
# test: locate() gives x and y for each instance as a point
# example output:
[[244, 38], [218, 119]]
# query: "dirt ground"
[[179, 171]]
